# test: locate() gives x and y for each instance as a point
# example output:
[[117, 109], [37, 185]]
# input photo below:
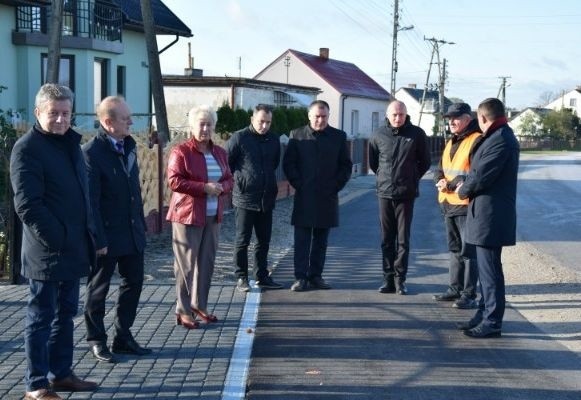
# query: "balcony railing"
[[81, 18]]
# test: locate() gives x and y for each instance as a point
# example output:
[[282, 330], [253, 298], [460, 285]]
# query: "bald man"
[[111, 160], [399, 156]]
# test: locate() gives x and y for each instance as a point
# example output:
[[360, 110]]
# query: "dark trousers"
[[492, 289], [395, 218], [310, 251], [246, 222], [131, 271], [48, 334], [463, 267]]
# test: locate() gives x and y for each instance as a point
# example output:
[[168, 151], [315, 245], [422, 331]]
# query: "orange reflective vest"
[[459, 165]]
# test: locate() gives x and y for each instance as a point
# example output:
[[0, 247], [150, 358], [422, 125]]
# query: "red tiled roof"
[[346, 77]]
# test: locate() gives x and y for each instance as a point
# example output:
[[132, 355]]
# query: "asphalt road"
[[354, 343], [549, 213]]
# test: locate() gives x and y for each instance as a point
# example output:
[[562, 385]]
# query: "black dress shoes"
[[387, 287], [401, 288], [129, 346], [473, 323], [319, 283], [101, 352], [268, 283], [483, 332], [448, 295]]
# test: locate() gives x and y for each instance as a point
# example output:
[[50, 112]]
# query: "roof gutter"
[[343, 98], [169, 45]]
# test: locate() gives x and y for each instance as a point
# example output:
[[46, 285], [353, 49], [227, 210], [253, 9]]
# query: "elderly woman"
[[199, 177]]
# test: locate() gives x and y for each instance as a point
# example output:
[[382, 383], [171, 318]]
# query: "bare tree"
[[546, 97]]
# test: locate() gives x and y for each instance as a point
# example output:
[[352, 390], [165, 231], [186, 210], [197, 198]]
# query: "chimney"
[[412, 86], [324, 53]]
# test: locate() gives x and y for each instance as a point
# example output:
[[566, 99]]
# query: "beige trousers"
[[194, 250]]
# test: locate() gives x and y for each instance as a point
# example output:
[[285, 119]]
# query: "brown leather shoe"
[[42, 394], [73, 383]]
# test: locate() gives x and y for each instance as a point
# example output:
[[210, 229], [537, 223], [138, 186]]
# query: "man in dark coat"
[[51, 197], [491, 222], [253, 156], [318, 166], [111, 160], [399, 156]]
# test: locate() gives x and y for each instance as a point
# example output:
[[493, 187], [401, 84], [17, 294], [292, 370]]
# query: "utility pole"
[[54, 42], [502, 90], [436, 43], [396, 29], [155, 73]]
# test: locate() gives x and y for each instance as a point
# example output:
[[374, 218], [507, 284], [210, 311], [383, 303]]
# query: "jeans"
[[48, 335], [310, 252], [261, 223]]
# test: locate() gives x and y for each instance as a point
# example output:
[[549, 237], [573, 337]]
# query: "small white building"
[[357, 103], [412, 98], [570, 100], [184, 92], [528, 122]]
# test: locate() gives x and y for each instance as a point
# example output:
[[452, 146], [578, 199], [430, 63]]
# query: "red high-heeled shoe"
[[207, 318], [186, 324]]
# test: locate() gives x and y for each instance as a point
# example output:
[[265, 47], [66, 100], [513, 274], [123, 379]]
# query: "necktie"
[[119, 147]]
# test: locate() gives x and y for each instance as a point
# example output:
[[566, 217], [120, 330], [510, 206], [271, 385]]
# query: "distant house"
[[570, 100], [528, 121], [357, 102], [103, 52], [184, 92], [412, 97]]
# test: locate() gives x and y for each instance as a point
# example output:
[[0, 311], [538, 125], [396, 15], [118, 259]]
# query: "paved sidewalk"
[[185, 364]]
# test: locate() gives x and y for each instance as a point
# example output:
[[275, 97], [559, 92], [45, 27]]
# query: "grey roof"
[[430, 95], [166, 22]]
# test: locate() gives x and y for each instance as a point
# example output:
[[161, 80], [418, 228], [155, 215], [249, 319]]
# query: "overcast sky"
[[537, 43]]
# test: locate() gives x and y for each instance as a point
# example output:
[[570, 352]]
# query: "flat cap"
[[457, 109]]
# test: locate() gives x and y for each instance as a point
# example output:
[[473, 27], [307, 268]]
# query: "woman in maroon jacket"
[[199, 177]]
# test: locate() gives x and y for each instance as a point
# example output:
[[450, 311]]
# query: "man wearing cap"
[[399, 156], [452, 169]]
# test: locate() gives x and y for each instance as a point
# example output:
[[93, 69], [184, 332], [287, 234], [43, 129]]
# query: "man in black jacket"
[[51, 197], [491, 222], [253, 156], [111, 160], [399, 156], [318, 166]]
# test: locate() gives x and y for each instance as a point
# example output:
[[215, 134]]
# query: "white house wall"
[[181, 99], [300, 74], [365, 108], [565, 101], [517, 121]]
